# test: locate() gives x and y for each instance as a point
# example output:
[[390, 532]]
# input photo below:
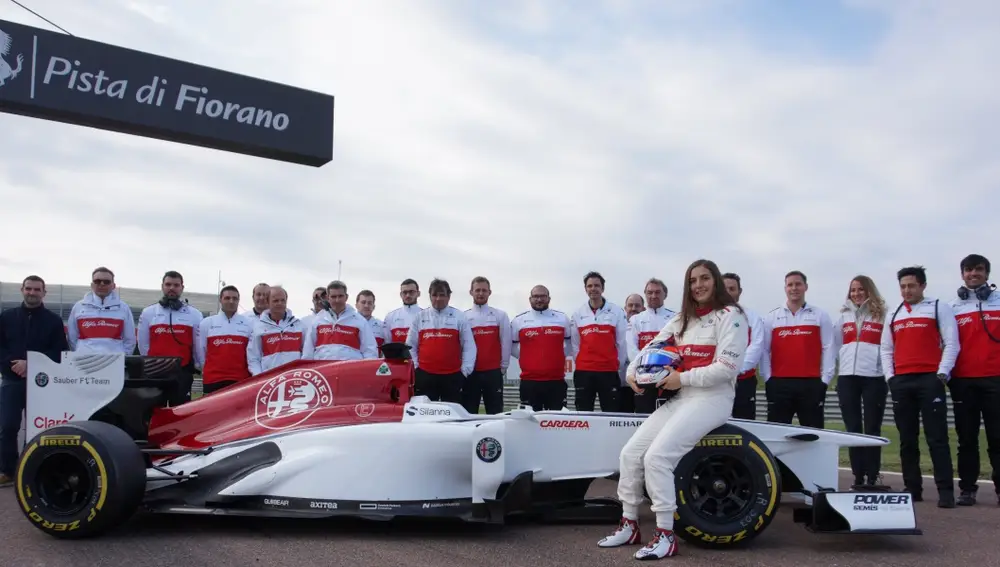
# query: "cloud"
[[534, 143]]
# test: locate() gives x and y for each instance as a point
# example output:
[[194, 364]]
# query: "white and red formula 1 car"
[[322, 438]]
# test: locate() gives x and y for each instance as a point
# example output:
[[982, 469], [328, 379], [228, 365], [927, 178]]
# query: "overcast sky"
[[531, 142]]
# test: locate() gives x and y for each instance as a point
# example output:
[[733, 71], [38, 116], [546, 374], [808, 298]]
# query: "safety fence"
[[831, 409]]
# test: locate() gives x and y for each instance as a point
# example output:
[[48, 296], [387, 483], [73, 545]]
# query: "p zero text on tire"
[[80, 479], [728, 489]]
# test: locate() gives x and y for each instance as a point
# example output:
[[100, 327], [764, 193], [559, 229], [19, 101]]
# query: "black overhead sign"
[[58, 77]]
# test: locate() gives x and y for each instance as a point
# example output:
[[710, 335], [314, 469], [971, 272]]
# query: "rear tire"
[[728, 489], [80, 479]]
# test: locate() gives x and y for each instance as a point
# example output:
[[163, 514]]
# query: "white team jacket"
[[714, 347], [273, 344]]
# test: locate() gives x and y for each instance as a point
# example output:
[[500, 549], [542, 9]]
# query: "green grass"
[[890, 453]]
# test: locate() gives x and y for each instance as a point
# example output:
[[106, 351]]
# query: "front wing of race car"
[[441, 461]]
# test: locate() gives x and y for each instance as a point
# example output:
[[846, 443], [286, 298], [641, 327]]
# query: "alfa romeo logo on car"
[[488, 450], [292, 397], [42, 379]]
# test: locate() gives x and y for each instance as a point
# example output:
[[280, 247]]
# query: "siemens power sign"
[[58, 77]]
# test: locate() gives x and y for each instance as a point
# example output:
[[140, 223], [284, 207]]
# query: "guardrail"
[[831, 408], [831, 412]]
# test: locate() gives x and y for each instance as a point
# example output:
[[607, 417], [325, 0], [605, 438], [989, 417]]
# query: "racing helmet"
[[654, 361]]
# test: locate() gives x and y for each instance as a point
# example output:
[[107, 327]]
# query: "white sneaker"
[[663, 544], [626, 534]]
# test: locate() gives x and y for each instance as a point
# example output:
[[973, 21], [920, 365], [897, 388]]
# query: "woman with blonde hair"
[[861, 386]]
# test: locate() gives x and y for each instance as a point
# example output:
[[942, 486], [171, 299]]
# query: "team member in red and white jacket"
[[101, 321], [642, 327], [170, 328], [399, 320], [365, 304], [919, 348], [221, 349], [339, 332], [798, 356], [597, 331], [975, 382], [745, 400], [442, 346], [277, 337], [491, 330], [861, 386], [541, 343]]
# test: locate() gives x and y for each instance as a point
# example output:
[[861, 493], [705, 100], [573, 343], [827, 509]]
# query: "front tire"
[[728, 489], [80, 479]]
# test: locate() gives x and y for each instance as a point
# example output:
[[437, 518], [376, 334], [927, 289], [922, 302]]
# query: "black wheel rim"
[[721, 488], [65, 483]]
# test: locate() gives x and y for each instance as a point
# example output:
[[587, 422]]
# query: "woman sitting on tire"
[[711, 333]]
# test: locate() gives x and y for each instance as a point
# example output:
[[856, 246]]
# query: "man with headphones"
[[170, 327], [975, 383]]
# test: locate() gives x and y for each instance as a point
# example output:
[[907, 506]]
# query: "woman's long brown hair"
[[876, 304], [720, 297]]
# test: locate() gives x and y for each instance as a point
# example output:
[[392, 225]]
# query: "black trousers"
[[791, 397], [589, 386], [976, 398], [862, 404], [626, 399], [485, 386], [543, 395], [745, 400], [182, 393], [650, 399], [216, 386], [916, 396], [438, 387]]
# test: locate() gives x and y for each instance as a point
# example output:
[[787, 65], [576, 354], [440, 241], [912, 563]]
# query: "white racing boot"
[[663, 544], [626, 534]]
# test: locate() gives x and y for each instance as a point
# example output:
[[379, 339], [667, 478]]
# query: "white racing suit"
[[713, 347]]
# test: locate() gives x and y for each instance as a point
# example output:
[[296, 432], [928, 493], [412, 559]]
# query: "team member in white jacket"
[[338, 332], [277, 336], [101, 321], [861, 386], [711, 332]]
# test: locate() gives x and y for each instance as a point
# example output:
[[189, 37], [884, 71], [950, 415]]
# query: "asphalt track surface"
[[965, 537]]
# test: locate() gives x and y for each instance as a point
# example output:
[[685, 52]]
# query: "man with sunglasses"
[[101, 322]]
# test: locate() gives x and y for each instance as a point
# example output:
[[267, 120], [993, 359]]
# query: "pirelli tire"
[[80, 479], [728, 489]]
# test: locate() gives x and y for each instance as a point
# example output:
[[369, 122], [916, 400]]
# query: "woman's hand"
[[672, 381], [630, 380]]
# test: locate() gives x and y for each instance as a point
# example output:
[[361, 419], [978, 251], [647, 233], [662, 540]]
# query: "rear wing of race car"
[[113, 388]]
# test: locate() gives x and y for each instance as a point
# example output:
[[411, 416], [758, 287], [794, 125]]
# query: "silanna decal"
[[291, 398]]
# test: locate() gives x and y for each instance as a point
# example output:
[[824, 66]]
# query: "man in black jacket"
[[28, 327]]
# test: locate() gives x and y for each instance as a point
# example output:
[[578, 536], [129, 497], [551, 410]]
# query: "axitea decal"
[[564, 424], [488, 450], [291, 398]]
